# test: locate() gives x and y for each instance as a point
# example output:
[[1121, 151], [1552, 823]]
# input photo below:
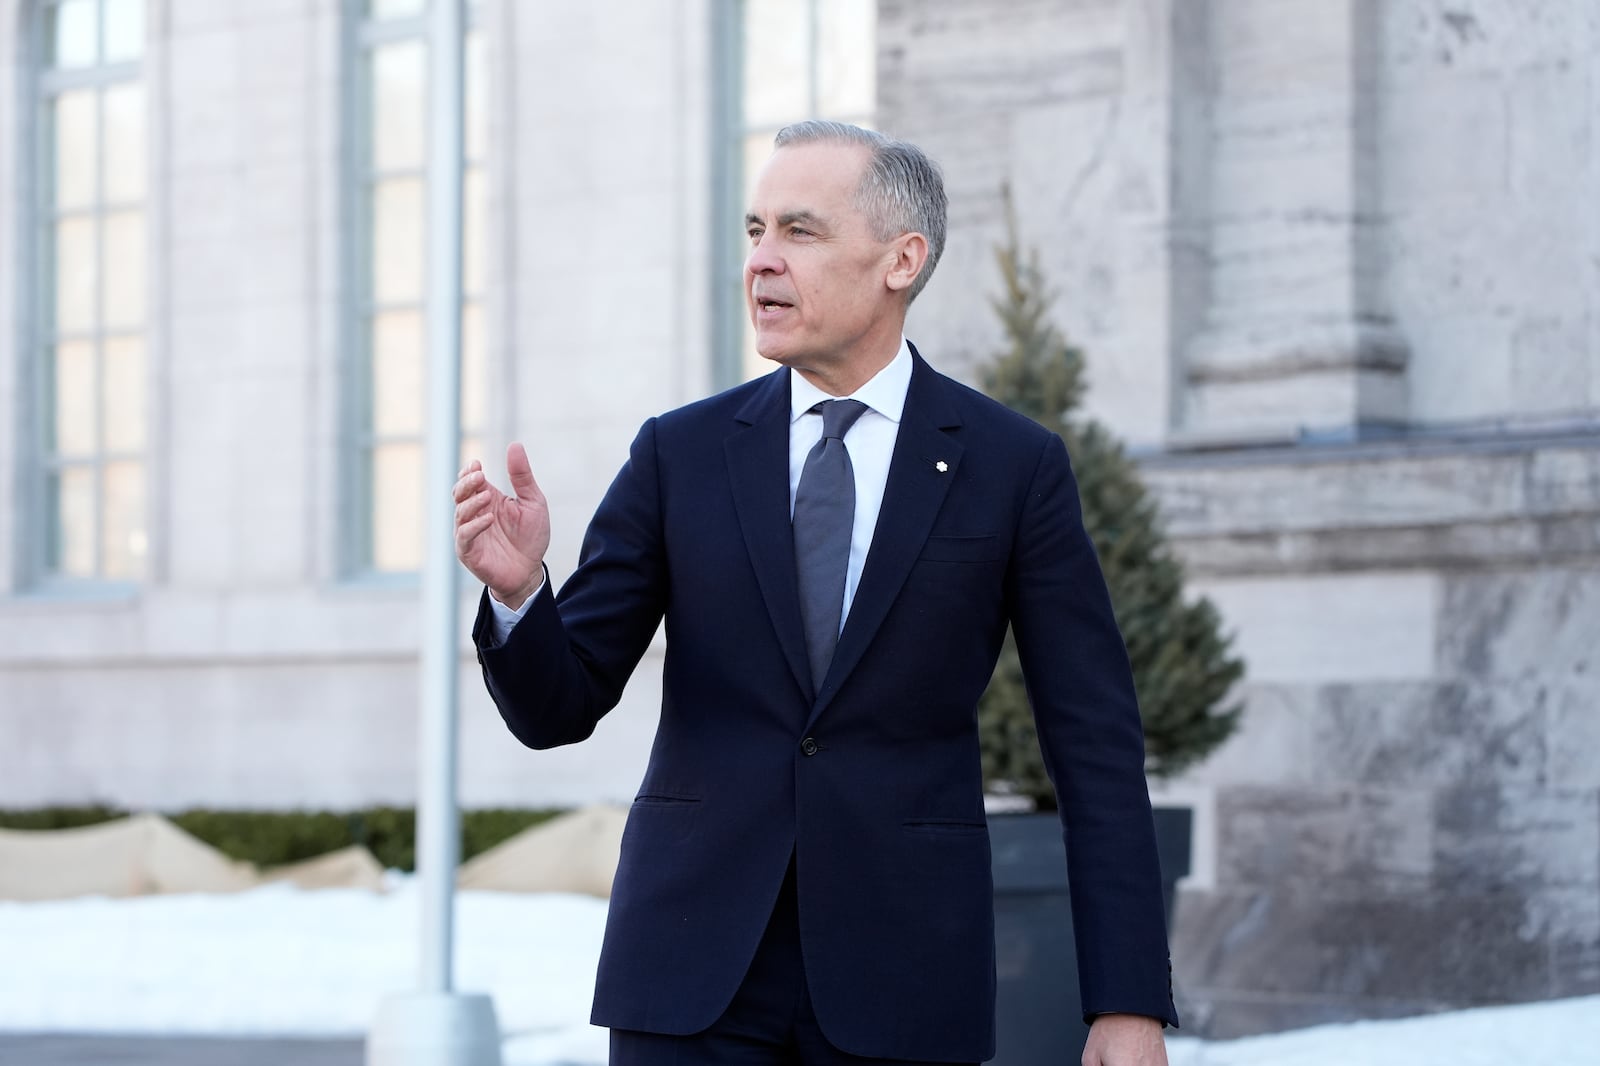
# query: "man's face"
[[815, 278]]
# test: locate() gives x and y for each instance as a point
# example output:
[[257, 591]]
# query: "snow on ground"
[[1562, 1032], [280, 961]]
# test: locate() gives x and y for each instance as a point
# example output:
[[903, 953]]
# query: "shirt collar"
[[884, 392]]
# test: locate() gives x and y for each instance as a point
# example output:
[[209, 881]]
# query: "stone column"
[[1162, 196], [1296, 338]]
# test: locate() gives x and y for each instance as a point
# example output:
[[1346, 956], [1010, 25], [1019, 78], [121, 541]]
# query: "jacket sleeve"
[[565, 663], [1080, 686]]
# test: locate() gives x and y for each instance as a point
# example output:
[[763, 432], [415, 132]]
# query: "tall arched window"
[[784, 60], [90, 306], [386, 333]]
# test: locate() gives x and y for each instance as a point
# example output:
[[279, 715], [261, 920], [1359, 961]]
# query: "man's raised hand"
[[502, 539]]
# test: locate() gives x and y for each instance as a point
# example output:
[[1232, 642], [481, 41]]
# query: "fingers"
[[474, 504], [475, 499], [470, 476], [471, 480], [521, 473], [467, 532]]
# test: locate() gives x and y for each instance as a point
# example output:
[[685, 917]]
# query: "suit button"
[[808, 746]]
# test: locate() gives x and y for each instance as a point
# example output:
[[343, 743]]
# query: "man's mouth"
[[765, 304]]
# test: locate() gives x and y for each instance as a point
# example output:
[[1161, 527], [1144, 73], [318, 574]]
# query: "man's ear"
[[910, 256]]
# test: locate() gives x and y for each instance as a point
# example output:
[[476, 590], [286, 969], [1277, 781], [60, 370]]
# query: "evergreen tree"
[[1182, 668]]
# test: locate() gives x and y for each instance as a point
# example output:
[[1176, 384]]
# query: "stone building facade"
[[1336, 265]]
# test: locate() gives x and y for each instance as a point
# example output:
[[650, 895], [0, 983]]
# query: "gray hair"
[[902, 190]]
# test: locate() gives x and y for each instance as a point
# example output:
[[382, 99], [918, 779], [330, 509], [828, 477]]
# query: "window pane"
[[387, 9], [71, 381], [123, 393], [70, 546], [72, 129], [124, 269], [398, 343], [471, 448], [474, 226], [75, 275], [124, 30], [397, 508], [476, 78], [123, 114], [474, 375], [399, 113], [70, 34], [397, 240], [846, 58], [777, 75], [123, 538]]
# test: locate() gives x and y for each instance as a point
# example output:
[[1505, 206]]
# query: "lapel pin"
[[941, 466]]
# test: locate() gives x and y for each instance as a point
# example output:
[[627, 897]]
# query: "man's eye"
[[798, 232], [753, 234]]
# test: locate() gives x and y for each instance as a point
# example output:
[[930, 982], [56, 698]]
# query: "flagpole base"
[[435, 1029]]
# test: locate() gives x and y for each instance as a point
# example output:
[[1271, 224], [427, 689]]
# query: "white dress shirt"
[[870, 442]]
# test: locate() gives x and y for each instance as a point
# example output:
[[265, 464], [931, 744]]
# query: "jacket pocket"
[[657, 822], [976, 548], [664, 799], [944, 826]]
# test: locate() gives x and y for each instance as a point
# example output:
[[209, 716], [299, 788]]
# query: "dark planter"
[[1037, 1018]]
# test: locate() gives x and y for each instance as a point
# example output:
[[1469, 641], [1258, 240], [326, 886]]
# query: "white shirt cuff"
[[505, 619]]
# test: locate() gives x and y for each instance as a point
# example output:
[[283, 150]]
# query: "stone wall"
[[1274, 218], [1409, 818], [1030, 95], [1490, 134], [1336, 267]]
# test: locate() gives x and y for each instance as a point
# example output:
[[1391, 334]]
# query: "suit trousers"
[[770, 1022]]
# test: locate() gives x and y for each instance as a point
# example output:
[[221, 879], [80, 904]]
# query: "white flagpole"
[[438, 820], [434, 1026]]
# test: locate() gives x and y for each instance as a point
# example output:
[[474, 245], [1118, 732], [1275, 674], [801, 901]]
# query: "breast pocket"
[[966, 548]]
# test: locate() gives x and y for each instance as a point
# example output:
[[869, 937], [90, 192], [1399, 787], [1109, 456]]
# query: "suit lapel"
[[912, 496], [758, 470]]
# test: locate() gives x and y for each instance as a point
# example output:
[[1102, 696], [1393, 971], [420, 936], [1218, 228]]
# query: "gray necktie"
[[824, 512]]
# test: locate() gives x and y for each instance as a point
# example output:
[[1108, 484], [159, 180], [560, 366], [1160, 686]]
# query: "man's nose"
[[763, 259]]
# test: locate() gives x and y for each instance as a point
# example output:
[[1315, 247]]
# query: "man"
[[805, 871]]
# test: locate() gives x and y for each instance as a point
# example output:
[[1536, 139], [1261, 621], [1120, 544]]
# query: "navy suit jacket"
[[872, 782]]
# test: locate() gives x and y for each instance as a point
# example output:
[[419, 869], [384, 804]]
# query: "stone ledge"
[[1461, 503], [1564, 539], [1272, 350]]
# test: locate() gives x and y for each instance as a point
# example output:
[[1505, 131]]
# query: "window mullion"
[[368, 442], [74, 487], [97, 358], [382, 446]]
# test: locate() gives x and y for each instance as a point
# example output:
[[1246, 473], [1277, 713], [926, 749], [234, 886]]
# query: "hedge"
[[271, 838]]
